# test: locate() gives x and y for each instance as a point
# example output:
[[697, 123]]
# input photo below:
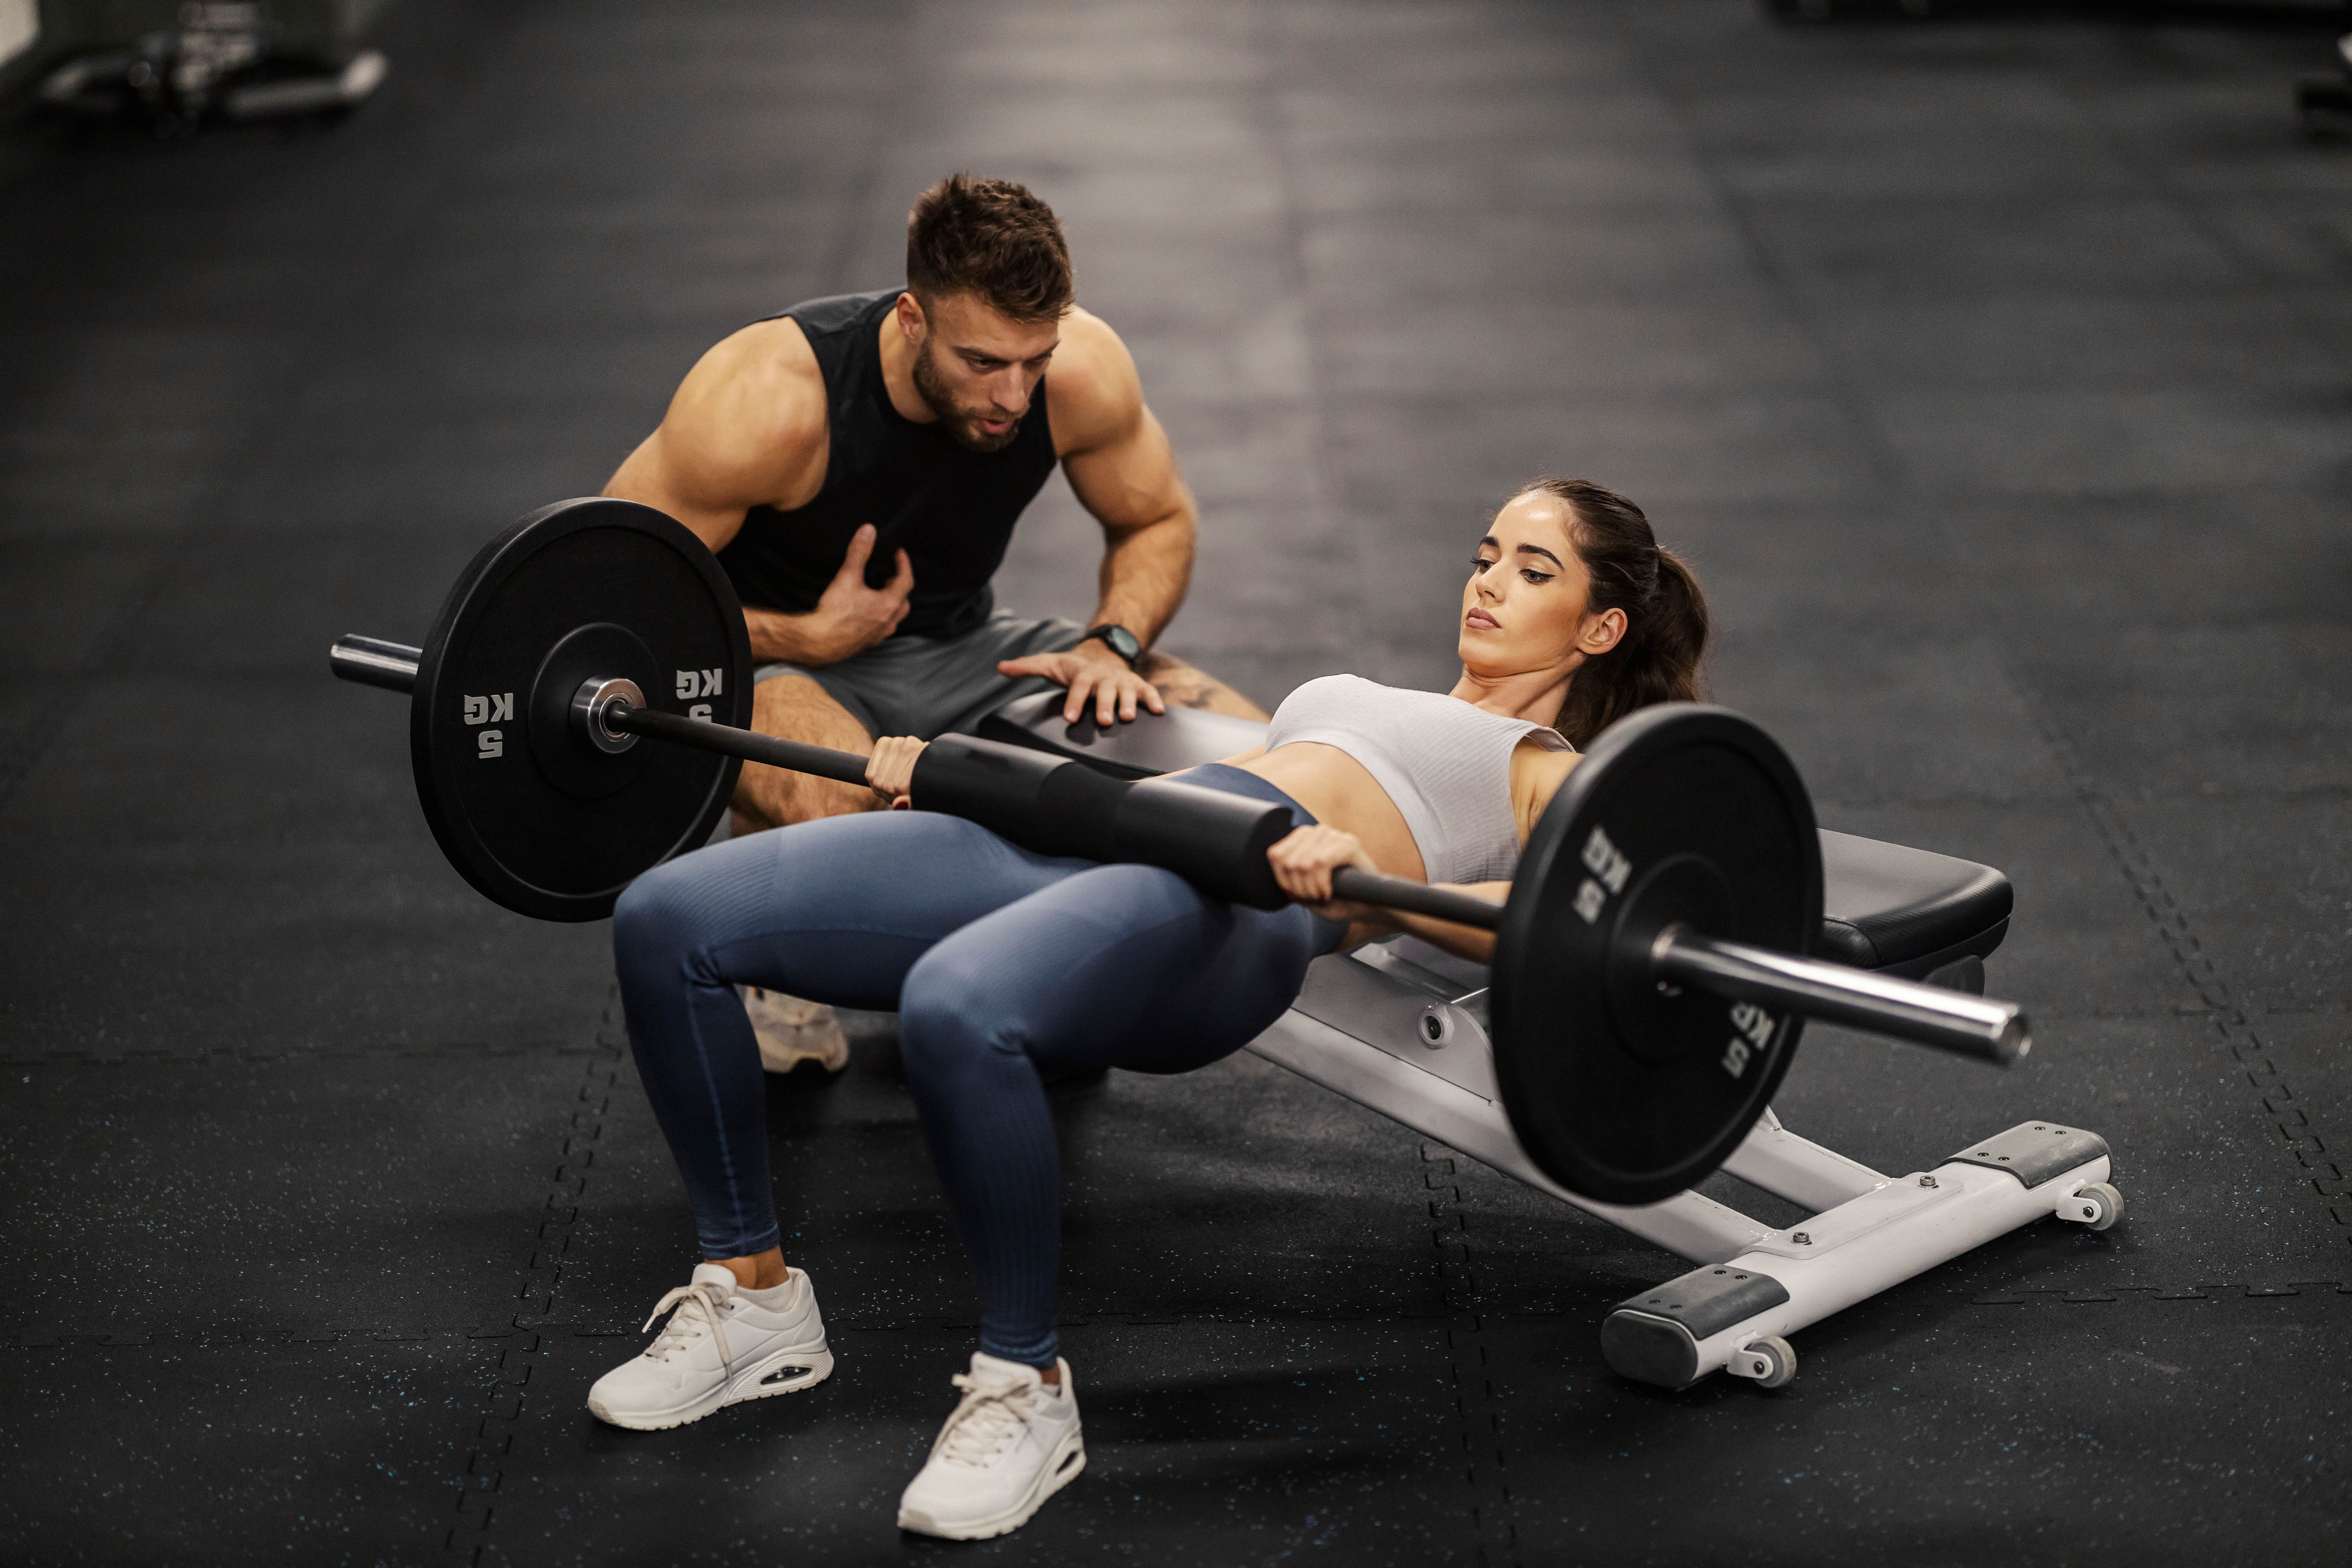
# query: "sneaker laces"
[[986, 1418], [703, 1299]]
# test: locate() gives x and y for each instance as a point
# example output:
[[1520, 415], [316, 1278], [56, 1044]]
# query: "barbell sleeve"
[[1420, 898], [846, 767], [374, 662], [1924, 1015]]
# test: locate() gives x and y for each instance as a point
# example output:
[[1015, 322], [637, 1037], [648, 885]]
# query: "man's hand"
[[890, 771], [1091, 669], [1303, 861], [850, 617]]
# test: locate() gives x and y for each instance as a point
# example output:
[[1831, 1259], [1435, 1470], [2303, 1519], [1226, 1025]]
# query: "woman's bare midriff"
[[1342, 793]]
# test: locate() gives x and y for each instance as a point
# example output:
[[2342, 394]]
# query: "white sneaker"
[[792, 1031], [1012, 1444], [721, 1346]]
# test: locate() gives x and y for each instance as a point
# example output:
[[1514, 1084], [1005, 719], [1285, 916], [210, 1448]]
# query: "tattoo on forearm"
[[1183, 686]]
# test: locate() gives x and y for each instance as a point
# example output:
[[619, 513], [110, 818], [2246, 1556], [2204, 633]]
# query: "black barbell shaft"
[[374, 662], [796, 756], [1398, 893], [1834, 994]]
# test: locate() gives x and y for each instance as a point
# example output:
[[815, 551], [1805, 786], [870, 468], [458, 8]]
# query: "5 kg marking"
[[497, 708], [700, 683], [1608, 867], [1755, 1026]]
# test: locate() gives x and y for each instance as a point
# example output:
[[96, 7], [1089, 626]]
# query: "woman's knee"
[[659, 916], [955, 1011]]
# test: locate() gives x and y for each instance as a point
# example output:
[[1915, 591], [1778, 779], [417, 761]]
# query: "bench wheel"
[[2095, 1207], [1769, 1361]]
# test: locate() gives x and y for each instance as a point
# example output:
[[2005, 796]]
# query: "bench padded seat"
[[1884, 906], [1907, 912]]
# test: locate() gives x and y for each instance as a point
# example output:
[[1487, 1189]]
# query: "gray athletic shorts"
[[927, 687]]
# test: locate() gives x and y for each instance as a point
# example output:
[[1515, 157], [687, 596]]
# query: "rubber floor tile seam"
[[2228, 1295], [1475, 1402], [485, 1466], [2235, 1033]]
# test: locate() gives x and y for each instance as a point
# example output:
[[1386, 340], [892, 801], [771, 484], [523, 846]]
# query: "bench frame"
[[1867, 1232]]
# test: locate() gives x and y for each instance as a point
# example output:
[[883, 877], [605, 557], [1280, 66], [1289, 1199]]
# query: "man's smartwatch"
[[1119, 640]]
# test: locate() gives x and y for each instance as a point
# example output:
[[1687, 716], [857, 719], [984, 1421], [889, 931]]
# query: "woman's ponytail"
[[1657, 659]]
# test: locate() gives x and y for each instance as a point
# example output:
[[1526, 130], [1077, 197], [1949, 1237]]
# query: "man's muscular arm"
[[1120, 465], [747, 428]]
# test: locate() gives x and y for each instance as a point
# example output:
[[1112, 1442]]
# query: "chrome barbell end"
[[593, 705], [371, 661]]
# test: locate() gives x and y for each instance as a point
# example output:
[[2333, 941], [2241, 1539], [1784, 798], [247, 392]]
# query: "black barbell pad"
[[1046, 804], [1214, 839], [1077, 812], [986, 781], [1053, 806]]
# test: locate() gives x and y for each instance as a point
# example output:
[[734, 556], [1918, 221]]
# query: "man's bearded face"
[[964, 422], [978, 370]]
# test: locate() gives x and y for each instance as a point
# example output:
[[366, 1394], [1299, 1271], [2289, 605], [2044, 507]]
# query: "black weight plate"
[[546, 832], [1616, 1090]]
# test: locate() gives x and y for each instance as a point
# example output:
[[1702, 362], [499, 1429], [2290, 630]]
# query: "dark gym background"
[[1994, 368]]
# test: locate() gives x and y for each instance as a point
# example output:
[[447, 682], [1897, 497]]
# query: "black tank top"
[[949, 508]]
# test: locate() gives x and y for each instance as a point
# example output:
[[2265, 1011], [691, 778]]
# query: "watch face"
[[1122, 643]]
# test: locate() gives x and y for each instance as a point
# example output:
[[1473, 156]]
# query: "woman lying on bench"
[[1002, 964]]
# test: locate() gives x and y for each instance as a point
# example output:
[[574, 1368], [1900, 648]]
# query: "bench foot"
[[1735, 1316]]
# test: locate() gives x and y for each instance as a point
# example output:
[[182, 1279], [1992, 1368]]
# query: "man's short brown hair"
[[993, 238]]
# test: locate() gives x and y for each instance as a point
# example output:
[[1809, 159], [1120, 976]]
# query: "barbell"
[[1650, 976]]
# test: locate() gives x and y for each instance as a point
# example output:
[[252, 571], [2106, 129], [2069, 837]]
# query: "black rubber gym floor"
[[1994, 370]]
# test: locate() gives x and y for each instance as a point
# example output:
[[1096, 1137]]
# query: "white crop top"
[[1446, 764]]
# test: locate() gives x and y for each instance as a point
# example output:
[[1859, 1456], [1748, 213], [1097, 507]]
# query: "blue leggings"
[[998, 961]]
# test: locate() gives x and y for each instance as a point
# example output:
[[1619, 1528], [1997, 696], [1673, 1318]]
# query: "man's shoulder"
[[771, 356], [751, 414], [1095, 392], [838, 312]]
